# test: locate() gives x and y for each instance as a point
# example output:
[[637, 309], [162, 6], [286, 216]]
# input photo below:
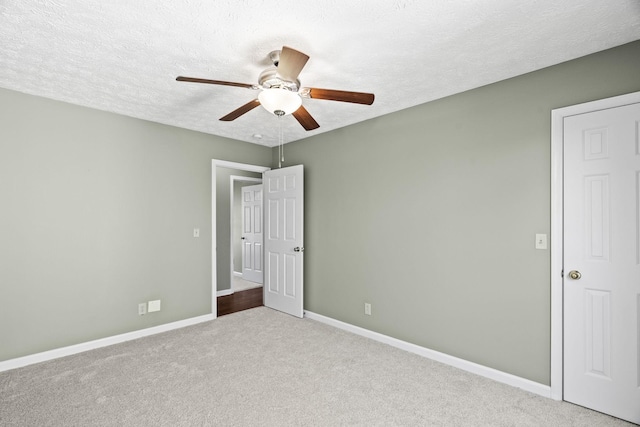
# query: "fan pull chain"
[[281, 142], [280, 113]]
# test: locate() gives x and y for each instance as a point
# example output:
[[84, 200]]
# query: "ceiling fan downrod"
[[274, 56]]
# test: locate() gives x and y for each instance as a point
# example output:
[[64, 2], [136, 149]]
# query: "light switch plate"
[[541, 241], [196, 232]]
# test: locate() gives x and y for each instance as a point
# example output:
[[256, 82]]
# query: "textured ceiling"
[[123, 56]]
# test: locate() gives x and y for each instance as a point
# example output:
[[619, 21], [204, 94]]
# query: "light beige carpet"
[[262, 368], [239, 284]]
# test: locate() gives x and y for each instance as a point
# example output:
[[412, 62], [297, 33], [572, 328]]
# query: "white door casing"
[[215, 164], [601, 365], [252, 247], [283, 238]]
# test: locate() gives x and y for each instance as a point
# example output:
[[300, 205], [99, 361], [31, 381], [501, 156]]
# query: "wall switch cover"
[[154, 306], [541, 241], [196, 232]]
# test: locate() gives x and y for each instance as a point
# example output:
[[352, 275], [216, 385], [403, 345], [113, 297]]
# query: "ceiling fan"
[[280, 90]]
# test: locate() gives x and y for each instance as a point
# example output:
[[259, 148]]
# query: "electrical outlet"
[[154, 306], [367, 309], [142, 309]]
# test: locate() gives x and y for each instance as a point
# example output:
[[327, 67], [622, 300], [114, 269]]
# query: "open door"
[[283, 239]]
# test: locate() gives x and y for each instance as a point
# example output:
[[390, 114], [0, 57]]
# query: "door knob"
[[298, 249], [575, 274], [242, 238]]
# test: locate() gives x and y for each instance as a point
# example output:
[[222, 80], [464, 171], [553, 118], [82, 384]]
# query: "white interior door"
[[252, 247], [602, 261], [284, 250]]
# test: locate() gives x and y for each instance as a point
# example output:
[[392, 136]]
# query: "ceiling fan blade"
[[240, 111], [305, 119], [215, 82], [338, 95], [291, 63]]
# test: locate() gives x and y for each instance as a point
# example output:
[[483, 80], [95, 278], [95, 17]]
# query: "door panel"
[[598, 333], [602, 243], [290, 275], [284, 197], [597, 213]]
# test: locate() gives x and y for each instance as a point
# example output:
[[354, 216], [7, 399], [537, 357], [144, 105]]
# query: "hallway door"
[[252, 253]]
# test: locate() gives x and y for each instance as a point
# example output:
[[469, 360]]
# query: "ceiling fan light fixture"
[[277, 100], [280, 90]]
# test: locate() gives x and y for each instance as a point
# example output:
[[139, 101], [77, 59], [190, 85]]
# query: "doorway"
[[283, 241], [595, 203], [221, 249]]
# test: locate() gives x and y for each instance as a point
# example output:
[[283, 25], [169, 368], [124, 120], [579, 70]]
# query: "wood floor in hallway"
[[239, 301]]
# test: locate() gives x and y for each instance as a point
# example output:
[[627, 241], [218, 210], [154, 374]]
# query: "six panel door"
[[602, 261]]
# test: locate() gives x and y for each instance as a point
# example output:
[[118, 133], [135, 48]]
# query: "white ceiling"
[[123, 56]]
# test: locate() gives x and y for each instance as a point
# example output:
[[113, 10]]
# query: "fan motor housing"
[[269, 79]]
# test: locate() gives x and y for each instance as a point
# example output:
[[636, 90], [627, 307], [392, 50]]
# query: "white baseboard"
[[474, 368], [224, 292], [237, 273], [103, 342]]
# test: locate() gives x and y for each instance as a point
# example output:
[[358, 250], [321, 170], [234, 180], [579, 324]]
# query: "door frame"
[[557, 232], [232, 181], [215, 163]]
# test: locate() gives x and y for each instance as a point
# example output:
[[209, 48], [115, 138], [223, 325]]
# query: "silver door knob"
[[575, 274], [298, 249]]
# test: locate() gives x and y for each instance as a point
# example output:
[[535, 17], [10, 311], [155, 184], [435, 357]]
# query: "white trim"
[[557, 248], [214, 260], [224, 292], [474, 368], [245, 178], [99, 343], [556, 254], [237, 273], [240, 166]]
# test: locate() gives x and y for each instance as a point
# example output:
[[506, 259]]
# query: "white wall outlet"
[[196, 232], [142, 308], [367, 309], [154, 306], [541, 241]]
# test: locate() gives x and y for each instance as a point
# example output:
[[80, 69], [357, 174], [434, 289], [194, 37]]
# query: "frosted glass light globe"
[[277, 99]]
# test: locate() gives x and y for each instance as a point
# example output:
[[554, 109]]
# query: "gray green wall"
[[430, 215], [97, 215]]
